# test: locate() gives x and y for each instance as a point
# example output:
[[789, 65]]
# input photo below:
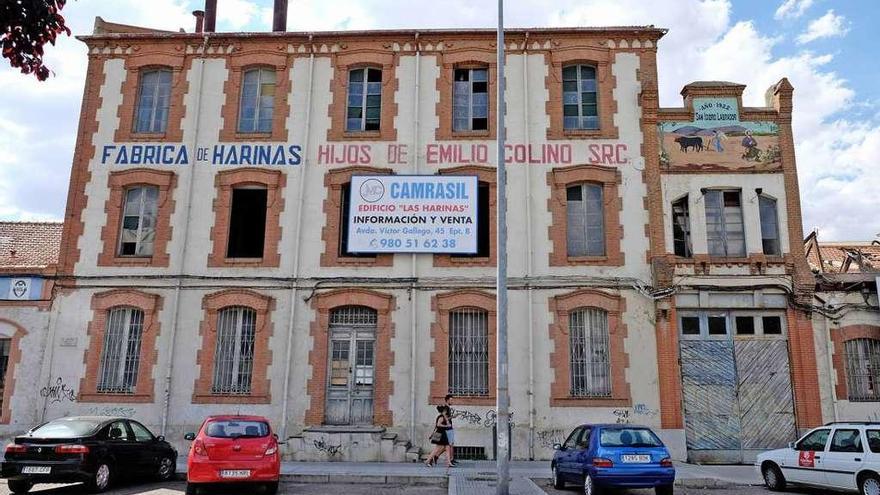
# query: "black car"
[[95, 450]]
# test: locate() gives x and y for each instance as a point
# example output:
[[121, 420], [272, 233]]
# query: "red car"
[[233, 449]]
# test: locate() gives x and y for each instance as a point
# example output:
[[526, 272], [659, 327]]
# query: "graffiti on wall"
[[322, 446], [488, 420], [549, 437], [123, 412], [622, 416], [59, 392]]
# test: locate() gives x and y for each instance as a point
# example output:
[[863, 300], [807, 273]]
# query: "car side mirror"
[[189, 436], [557, 446], [792, 446]]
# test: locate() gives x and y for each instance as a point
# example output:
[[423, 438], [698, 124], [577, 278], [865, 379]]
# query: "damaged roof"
[[842, 257], [29, 244]]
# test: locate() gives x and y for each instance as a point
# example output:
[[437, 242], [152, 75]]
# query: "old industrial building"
[[657, 269]]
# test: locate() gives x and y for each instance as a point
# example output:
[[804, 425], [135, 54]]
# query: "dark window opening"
[[690, 325], [772, 325], [247, 223], [344, 210], [745, 325], [470, 106], [717, 325], [769, 225], [681, 228], [483, 224]]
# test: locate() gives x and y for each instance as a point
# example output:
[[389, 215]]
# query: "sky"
[[826, 48]]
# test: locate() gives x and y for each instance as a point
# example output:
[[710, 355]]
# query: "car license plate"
[[636, 458], [235, 473], [36, 470]]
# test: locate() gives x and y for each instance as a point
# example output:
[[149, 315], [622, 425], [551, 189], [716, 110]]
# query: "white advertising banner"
[[413, 214]]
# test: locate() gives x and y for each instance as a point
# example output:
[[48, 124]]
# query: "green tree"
[[25, 28]]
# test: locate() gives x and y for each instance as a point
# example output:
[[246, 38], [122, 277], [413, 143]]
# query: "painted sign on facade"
[[20, 288], [718, 139], [413, 214]]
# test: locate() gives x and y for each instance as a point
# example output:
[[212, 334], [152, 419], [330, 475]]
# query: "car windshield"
[[66, 428], [629, 437], [237, 429]]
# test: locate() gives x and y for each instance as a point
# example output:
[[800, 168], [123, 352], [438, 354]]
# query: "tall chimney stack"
[[200, 20], [210, 15], [279, 16]]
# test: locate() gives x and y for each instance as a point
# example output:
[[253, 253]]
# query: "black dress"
[[444, 440]]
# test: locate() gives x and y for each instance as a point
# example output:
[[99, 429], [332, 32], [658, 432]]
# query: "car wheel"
[[271, 488], [192, 489], [773, 478], [590, 487], [20, 486], [558, 482], [166, 469], [100, 479], [665, 489], [870, 485]]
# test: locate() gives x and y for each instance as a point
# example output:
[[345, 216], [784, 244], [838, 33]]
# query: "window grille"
[[364, 100], [120, 356], [469, 352], [234, 354], [724, 224], [588, 344], [257, 101], [354, 316], [5, 346], [769, 225], [586, 222], [139, 221], [863, 369], [580, 97], [154, 92], [470, 105], [681, 228], [470, 453]]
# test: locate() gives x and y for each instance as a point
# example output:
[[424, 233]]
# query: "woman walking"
[[442, 424]]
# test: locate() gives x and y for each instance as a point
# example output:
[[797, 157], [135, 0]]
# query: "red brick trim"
[[560, 389], [344, 62], [383, 385], [11, 366], [839, 337], [442, 304], [487, 175], [476, 55], [102, 303], [559, 179], [239, 64], [119, 182], [804, 371], [333, 181], [599, 57], [159, 57], [668, 367], [212, 304], [226, 181]]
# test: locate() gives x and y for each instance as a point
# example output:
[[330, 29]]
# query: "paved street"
[[736, 490], [177, 488]]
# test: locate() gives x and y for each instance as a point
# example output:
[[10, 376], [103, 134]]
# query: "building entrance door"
[[351, 353]]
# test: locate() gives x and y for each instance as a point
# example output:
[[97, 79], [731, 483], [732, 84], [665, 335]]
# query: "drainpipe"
[[175, 315], [296, 239], [48, 347], [529, 248], [414, 320]]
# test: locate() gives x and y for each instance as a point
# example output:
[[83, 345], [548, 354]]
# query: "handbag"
[[436, 436]]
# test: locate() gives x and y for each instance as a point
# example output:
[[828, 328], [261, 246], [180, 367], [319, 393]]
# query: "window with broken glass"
[[681, 228], [470, 95], [234, 351], [724, 223], [469, 352], [5, 346], [139, 221], [364, 100], [257, 101], [863, 369], [769, 225], [120, 356], [585, 229], [154, 95], [589, 357], [580, 98]]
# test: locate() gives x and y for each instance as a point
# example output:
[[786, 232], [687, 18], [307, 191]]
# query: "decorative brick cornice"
[[366, 56], [839, 337], [485, 175], [12, 363]]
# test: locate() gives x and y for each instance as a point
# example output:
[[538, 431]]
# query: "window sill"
[[583, 134], [230, 399], [146, 136], [133, 260], [255, 136], [593, 261], [468, 400], [115, 397], [362, 135], [590, 402], [446, 260], [455, 135]]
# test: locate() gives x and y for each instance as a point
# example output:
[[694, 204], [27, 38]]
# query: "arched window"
[[585, 221], [580, 104], [138, 231], [364, 100], [469, 352], [769, 225], [234, 352], [470, 100], [154, 94], [589, 357], [120, 357], [863, 369], [257, 101]]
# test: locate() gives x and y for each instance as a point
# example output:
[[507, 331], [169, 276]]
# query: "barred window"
[[257, 101], [469, 352], [724, 223], [139, 221], [769, 225], [588, 344], [470, 105], [580, 97], [120, 356], [154, 95], [586, 220], [681, 228], [863, 369], [234, 354], [364, 100]]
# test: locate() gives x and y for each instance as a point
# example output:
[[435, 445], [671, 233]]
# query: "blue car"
[[608, 455]]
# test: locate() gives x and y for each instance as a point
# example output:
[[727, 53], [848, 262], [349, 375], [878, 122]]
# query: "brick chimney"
[[279, 16], [200, 20], [210, 15]]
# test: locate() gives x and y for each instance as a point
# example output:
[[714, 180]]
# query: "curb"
[[356, 479]]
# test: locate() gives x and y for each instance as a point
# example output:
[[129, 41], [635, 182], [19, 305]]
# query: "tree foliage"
[[25, 27]]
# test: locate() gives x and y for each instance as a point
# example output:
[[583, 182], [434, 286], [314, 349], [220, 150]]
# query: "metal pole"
[[503, 400]]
